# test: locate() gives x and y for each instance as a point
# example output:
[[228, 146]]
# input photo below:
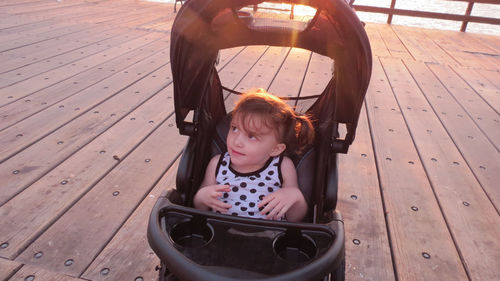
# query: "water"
[[439, 6]]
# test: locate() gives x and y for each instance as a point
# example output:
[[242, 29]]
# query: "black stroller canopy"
[[203, 27]]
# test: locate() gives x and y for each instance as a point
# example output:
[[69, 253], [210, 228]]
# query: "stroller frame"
[[184, 238]]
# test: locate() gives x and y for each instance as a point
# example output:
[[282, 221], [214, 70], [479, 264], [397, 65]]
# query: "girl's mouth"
[[237, 153]]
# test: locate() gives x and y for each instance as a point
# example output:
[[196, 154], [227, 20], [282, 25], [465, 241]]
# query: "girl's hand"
[[279, 202], [208, 198]]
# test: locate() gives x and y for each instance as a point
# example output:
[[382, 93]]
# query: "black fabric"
[[203, 27]]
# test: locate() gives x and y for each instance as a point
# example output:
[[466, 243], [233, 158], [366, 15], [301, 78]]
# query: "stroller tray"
[[256, 248]]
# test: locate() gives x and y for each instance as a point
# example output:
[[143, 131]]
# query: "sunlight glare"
[[301, 10]]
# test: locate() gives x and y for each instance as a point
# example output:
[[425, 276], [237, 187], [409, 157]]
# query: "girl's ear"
[[278, 149]]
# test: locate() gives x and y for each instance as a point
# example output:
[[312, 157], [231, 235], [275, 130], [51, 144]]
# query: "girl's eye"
[[252, 137], [234, 128]]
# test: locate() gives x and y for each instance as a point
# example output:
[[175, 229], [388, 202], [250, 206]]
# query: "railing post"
[[467, 13], [389, 18]]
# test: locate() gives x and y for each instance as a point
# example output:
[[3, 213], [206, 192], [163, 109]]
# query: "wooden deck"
[[88, 142]]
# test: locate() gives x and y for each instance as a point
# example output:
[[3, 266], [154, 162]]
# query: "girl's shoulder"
[[216, 158], [287, 162], [214, 161], [288, 172]]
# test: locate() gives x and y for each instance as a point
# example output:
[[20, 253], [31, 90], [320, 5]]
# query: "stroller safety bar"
[[186, 239]]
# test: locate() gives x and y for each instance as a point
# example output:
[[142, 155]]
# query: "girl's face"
[[250, 149]]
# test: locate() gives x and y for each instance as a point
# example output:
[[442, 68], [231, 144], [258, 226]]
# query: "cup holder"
[[193, 233], [295, 247]]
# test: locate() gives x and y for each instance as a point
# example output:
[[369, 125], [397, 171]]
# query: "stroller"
[[198, 245]]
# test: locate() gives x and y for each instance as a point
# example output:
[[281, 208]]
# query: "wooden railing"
[[465, 18], [391, 11]]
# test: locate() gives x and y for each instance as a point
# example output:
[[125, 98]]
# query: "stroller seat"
[[201, 245]]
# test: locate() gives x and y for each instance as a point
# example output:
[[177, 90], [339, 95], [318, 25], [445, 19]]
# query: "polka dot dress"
[[248, 189]]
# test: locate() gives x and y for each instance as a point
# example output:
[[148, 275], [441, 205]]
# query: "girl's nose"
[[238, 140]]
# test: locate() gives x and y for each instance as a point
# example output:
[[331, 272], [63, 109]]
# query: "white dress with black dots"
[[248, 189]]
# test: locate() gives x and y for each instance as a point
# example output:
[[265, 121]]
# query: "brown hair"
[[296, 131]]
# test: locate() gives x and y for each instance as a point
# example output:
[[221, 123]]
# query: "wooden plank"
[[52, 53], [485, 88], [129, 15], [421, 244], [241, 64], [89, 14], [491, 41], [39, 31], [480, 110], [15, 2], [39, 82], [156, 15], [264, 70], [62, 12], [259, 75], [472, 42], [360, 203], [35, 6], [414, 43], [421, 46], [461, 47], [489, 57], [492, 76], [478, 152], [19, 110], [26, 27], [33, 162], [22, 68], [59, 43], [226, 56], [470, 215], [72, 14], [104, 12], [112, 20], [394, 45], [117, 18], [8, 268], [30, 130], [86, 110], [28, 272], [318, 75], [233, 73], [289, 79], [12, 21], [130, 246], [377, 44], [158, 27], [45, 7], [58, 190], [83, 231]]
